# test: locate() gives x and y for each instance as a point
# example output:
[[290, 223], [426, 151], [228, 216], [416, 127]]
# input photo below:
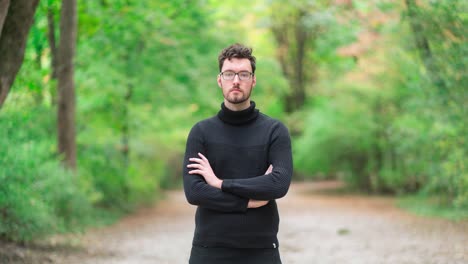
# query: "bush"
[[37, 197], [336, 141]]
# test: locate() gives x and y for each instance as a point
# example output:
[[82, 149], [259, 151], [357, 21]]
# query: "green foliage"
[[443, 24], [341, 134], [385, 125], [432, 206], [146, 72], [37, 196]]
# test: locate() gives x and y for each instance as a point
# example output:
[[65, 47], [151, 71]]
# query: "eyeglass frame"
[[251, 74]]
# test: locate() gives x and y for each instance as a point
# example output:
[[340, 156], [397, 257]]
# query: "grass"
[[431, 207]]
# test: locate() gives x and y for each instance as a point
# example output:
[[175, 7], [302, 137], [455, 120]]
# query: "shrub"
[[37, 196]]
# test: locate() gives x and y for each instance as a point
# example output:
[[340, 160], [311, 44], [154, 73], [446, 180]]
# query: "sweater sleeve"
[[275, 184], [197, 191]]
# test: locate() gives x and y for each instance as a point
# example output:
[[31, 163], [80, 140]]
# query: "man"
[[236, 164]]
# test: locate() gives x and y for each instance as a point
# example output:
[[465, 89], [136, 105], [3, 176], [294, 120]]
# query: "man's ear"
[[254, 81], [219, 81]]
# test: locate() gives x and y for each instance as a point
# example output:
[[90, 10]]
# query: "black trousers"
[[205, 255]]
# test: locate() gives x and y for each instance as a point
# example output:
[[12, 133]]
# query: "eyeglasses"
[[230, 75]]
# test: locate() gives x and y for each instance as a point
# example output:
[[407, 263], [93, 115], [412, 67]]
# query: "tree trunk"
[[53, 50], [125, 127], [423, 46], [4, 4], [297, 98], [293, 39], [16, 18], [66, 86], [52, 40]]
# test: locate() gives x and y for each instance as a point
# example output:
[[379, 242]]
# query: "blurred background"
[[374, 94]]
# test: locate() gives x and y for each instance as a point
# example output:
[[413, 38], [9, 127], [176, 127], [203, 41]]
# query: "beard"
[[237, 98]]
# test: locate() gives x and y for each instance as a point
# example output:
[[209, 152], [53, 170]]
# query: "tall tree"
[[66, 85], [3, 12], [422, 44], [51, 38], [16, 18], [295, 28]]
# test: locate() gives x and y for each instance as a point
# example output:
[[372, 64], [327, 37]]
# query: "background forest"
[[373, 92]]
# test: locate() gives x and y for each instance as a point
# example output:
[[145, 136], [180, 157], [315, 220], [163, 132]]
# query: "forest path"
[[316, 227]]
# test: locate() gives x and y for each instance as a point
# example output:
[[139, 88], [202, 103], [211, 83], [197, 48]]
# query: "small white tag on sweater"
[[274, 245]]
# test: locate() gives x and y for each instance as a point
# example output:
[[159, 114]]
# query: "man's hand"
[[256, 203], [202, 167]]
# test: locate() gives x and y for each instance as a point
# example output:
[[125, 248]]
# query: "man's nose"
[[236, 79]]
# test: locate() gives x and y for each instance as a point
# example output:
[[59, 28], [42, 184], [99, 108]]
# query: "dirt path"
[[315, 228]]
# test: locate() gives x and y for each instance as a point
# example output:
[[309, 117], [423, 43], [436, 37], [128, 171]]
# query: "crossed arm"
[[205, 189], [201, 166]]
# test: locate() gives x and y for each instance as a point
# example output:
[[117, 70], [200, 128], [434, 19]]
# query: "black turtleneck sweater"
[[240, 146]]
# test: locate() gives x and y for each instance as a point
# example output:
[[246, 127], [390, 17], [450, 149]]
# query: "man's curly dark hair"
[[238, 51]]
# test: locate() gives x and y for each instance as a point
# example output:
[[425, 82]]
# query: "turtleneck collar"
[[238, 117]]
